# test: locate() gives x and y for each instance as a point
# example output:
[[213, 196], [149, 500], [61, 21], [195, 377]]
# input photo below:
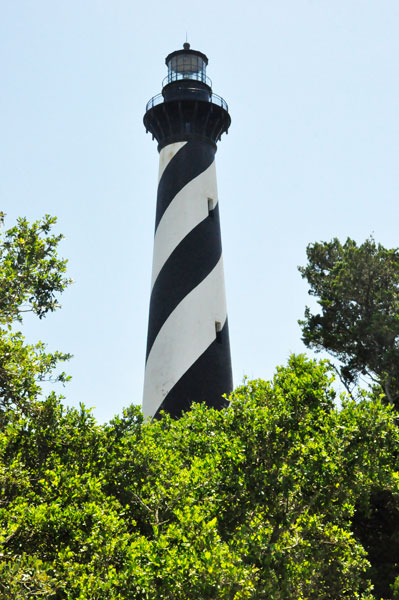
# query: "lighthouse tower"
[[188, 352]]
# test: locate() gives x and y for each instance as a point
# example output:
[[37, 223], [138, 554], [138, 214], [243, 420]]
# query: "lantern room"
[[187, 64]]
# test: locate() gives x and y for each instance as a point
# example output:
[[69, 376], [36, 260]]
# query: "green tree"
[[259, 500], [31, 277], [252, 502], [357, 289]]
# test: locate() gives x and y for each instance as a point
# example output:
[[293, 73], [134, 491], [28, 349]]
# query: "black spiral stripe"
[[207, 380], [189, 162], [188, 265], [185, 361]]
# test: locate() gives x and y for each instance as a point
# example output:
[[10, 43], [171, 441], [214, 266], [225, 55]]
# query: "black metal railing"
[[214, 98], [196, 76]]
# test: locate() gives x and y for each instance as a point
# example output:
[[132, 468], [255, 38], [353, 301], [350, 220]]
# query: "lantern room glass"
[[186, 66]]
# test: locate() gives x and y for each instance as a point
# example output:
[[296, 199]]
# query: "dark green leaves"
[[357, 289]]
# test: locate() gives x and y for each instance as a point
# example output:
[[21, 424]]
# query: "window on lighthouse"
[[211, 206], [218, 329]]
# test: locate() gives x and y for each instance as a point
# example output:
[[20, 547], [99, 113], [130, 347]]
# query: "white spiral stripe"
[[166, 155], [185, 335], [188, 208]]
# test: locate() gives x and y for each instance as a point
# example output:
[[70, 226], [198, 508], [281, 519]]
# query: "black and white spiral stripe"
[[188, 353]]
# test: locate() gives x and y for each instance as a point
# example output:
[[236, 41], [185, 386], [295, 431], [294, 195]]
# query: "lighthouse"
[[188, 350]]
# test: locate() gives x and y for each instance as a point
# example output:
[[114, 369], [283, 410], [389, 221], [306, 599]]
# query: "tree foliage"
[[258, 501], [357, 289], [254, 501], [31, 277]]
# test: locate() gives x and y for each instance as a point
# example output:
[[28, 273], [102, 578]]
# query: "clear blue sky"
[[312, 153]]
